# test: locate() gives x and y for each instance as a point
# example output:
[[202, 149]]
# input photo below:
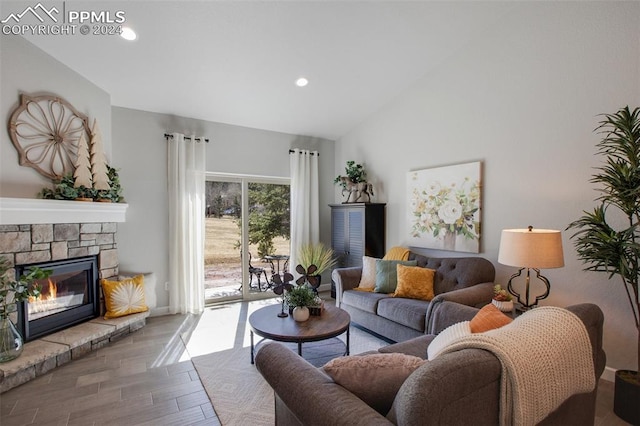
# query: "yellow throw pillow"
[[124, 297], [374, 378], [488, 318], [415, 282], [368, 278]]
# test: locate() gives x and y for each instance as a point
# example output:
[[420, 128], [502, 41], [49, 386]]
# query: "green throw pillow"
[[387, 274]]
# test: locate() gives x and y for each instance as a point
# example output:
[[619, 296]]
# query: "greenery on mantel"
[[601, 244], [64, 189]]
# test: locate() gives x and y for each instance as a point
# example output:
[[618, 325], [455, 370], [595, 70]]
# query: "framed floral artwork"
[[444, 207]]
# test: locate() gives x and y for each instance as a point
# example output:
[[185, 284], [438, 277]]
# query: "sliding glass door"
[[246, 235]]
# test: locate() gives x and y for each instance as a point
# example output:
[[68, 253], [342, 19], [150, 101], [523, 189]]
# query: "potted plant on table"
[[11, 292], [605, 247], [299, 299], [313, 260], [502, 299]]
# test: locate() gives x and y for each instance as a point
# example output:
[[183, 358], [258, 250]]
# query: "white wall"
[[523, 97], [139, 151], [24, 68]]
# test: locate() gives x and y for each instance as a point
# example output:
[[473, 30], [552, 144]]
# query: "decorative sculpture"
[[356, 191], [99, 171]]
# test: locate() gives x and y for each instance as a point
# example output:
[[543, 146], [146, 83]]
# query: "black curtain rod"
[[166, 135], [291, 151]]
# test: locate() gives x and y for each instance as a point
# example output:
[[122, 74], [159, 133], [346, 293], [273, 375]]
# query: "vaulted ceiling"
[[236, 62]]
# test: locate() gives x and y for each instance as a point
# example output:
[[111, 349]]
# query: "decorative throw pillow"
[[488, 318], [446, 337], [374, 378], [368, 278], [415, 282], [397, 253], [387, 274], [124, 297]]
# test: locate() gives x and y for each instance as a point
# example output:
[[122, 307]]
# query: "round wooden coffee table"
[[265, 323]]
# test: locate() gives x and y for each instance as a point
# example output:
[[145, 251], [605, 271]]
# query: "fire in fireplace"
[[69, 296]]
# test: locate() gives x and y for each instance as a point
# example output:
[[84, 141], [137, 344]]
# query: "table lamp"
[[530, 249]]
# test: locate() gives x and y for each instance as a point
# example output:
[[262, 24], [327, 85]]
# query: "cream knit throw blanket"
[[546, 357]]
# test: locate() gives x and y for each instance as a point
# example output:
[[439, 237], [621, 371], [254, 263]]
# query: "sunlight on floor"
[[221, 326]]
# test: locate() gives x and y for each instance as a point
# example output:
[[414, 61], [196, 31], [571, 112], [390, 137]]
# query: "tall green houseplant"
[[603, 243]]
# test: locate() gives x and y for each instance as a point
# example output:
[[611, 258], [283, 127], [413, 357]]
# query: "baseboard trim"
[[609, 374], [156, 312]]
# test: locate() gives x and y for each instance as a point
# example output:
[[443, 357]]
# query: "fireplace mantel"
[[19, 211]]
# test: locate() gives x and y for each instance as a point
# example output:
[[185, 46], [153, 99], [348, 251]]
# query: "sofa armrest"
[[474, 296], [416, 346], [345, 279], [457, 388], [449, 313], [309, 394]]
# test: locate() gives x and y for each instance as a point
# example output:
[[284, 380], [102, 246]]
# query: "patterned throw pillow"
[[415, 282], [368, 278], [374, 378], [387, 274], [124, 297]]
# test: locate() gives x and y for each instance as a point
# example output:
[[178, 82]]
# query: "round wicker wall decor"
[[45, 131]]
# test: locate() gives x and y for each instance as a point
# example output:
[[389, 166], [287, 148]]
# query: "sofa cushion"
[[365, 301], [374, 378], [488, 318], [408, 312], [456, 273], [415, 282], [387, 274]]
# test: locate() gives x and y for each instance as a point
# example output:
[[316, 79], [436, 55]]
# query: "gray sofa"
[[465, 280], [457, 388]]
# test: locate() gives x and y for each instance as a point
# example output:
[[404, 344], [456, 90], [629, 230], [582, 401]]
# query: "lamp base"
[[527, 304]]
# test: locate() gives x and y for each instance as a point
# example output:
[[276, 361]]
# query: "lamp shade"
[[531, 248]]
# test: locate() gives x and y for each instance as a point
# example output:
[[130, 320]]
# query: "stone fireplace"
[[39, 244], [54, 233]]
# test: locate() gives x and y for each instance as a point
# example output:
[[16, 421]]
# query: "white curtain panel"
[[186, 224], [305, 200]]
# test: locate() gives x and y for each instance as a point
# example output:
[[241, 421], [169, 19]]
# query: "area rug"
[[239, 394]]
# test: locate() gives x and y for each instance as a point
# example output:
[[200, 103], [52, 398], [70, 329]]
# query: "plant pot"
[[503, 305], [300, 313], [84, 199], [626, 396], [11, 343], [315, 311]]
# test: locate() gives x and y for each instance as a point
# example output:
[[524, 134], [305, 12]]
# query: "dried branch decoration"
[[45, 131]]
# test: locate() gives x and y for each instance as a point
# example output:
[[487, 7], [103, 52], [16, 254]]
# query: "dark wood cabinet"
[[357, 230]]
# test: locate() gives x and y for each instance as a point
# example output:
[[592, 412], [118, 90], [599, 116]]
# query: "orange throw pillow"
[[488, 318]]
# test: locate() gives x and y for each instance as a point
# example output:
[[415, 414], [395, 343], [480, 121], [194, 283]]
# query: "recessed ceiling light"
[[128, 34], [301, 82]]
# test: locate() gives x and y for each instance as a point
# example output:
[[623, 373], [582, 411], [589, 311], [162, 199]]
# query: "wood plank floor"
[[147, 378]]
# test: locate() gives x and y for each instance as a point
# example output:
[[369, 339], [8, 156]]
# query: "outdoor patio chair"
[[257, 272]]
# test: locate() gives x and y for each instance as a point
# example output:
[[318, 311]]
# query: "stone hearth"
[[42, 355]]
